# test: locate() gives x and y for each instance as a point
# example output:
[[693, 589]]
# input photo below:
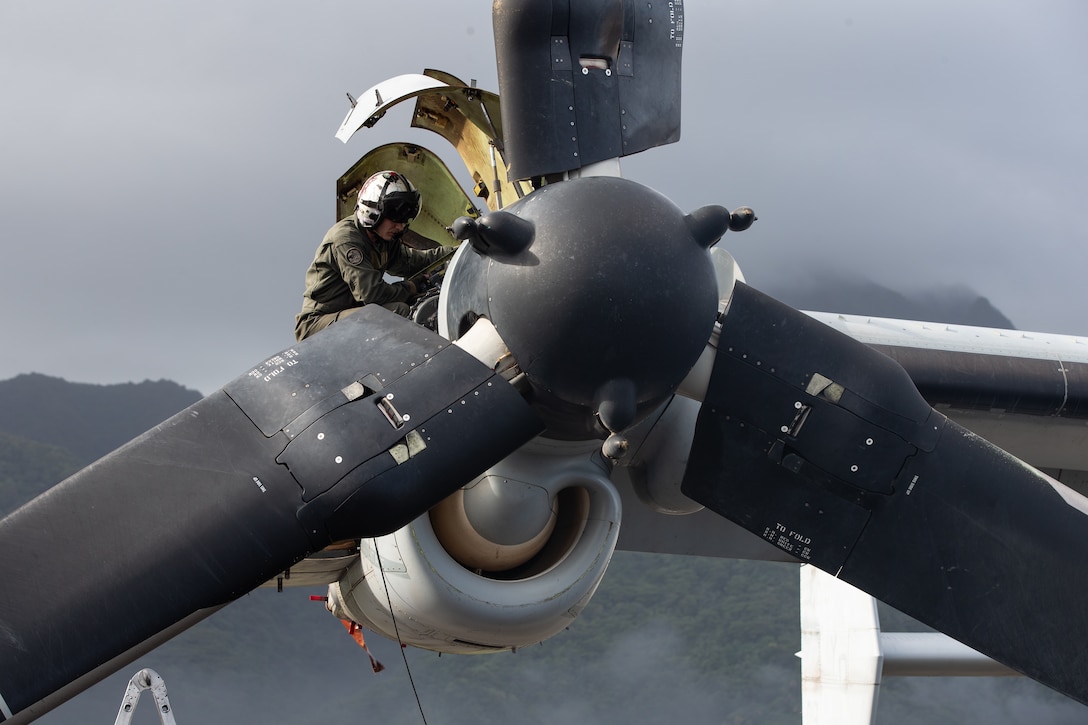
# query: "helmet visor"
[[401, 206]]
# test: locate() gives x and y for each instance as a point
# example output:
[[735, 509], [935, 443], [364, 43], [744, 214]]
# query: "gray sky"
[[167, 169]]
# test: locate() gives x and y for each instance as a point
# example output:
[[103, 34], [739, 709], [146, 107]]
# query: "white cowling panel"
[[420, 595]]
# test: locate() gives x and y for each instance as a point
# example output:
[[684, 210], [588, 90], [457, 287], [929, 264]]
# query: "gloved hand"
[[427, 282]]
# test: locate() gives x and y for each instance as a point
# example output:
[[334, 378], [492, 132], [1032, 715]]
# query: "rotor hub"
[[602, 289]]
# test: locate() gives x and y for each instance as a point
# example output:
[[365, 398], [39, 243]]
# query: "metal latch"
[[385, 405]]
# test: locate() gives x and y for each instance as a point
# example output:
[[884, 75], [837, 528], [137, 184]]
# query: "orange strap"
[[356, 633]]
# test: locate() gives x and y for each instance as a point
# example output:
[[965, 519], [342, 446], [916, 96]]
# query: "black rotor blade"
[[352, 433], [581, 81], [824, 447]]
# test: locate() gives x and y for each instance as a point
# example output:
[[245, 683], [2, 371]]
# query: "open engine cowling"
[[508, 561]]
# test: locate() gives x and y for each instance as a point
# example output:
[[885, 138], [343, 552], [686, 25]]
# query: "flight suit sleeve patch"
[[354, 256]]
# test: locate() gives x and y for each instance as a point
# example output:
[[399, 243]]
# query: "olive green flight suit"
[[347, 273]]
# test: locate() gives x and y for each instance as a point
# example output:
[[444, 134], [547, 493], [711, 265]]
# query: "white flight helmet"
[[387, 195]]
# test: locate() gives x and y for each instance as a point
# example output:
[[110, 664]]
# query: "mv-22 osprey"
[[593, 349]]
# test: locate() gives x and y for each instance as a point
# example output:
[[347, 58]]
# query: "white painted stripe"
[[4, 709]]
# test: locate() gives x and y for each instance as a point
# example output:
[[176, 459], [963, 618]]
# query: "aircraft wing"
[[1026, 392]]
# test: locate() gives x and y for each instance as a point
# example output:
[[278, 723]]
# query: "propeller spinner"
[[603, 290]]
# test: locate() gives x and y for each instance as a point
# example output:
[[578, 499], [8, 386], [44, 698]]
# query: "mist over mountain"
[[834, 292]]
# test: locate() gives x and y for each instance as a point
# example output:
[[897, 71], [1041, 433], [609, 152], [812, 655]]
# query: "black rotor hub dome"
[[606, 300]]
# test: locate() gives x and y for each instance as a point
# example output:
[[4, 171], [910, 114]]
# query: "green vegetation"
[[87, 420], [27, 468]]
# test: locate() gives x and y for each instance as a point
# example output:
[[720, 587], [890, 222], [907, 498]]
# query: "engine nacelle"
[[508, 561]]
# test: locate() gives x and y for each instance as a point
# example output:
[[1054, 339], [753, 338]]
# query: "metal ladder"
[[145, 679]]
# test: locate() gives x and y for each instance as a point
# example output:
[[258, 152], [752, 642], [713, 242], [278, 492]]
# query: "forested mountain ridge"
[[50, 428], [86, 419], [27, 468]]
